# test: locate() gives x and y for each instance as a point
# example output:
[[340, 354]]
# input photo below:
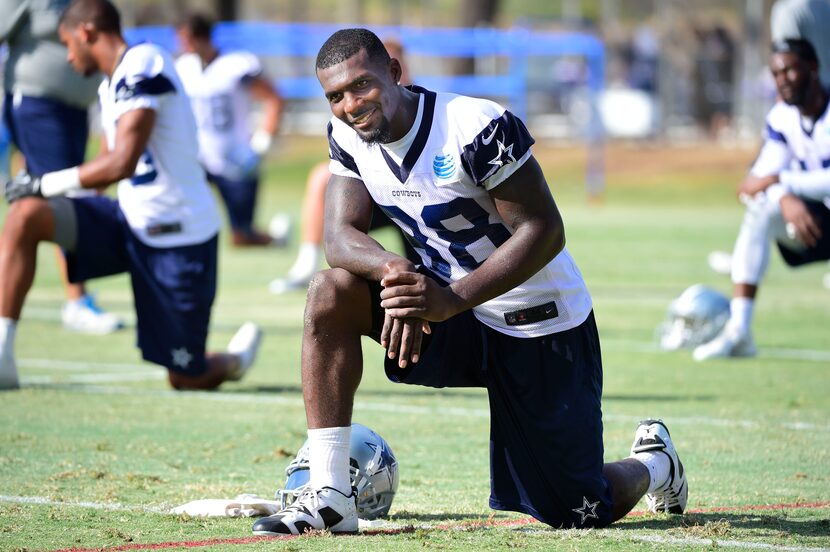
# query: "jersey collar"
[[402, 171]]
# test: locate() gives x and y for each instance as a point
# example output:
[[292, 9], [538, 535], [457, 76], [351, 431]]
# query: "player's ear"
[[395, 70], [87, 33]]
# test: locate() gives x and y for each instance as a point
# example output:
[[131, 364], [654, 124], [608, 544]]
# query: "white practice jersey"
[[221, 104], [797, 151], [434, 184], [168, 188]]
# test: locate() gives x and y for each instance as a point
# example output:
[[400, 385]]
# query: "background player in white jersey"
[[810, 20], [163, 227], [497, 302], [44, 97], [221, 86], [787, 192]]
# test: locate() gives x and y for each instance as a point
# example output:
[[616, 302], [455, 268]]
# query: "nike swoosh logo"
[[489, 139]]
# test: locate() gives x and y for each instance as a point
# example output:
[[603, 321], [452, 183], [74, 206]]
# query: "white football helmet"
[[695, 317], [374, 473]]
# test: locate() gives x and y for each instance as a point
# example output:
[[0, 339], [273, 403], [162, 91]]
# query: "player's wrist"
[[261, 141], [776, 192], [60, 182]]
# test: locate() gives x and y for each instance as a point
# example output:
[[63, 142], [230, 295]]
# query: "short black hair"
[[347, 42], [197, 24], [102, 14], [798, 46]]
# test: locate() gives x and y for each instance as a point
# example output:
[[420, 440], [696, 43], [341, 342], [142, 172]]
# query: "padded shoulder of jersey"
[[143, 60]]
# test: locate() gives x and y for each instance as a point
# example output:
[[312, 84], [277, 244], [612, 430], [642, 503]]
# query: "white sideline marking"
[[258, 398], [611, 533], [115, 506], [81, 366], [622, 535], [107, 377], [717, 543], [814, 355]]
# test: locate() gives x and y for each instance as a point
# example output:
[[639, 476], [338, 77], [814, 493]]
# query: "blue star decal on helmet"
[[385, 459]]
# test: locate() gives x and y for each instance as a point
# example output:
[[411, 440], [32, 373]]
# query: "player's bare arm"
[[752, 185], [272, 103], [348, 246], [345, 232], [526, 205], [132, 135]]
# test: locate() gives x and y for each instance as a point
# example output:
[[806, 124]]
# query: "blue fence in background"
[[303, 40]]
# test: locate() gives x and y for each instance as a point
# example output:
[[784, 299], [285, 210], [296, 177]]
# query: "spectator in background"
[[311, 238], [220, 86], [713, 77], [45, 112]]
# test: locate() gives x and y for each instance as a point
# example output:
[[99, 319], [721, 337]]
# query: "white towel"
[[244, 505]]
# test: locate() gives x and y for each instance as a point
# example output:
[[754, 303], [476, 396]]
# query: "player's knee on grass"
[[205, 381]]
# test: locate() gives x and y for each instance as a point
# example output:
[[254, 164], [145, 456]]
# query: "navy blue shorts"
[[173, 287], [240, 200], [821, 251], [546, 451], [50, 134]]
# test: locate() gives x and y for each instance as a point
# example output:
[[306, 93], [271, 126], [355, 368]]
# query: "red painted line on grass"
[[409, 528]]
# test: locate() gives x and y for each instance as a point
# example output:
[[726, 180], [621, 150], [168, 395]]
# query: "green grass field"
[[95, 447]]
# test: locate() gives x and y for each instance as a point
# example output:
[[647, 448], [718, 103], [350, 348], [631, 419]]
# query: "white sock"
[[7, 332], [308, 259], [8, 369], [740, 313], [328, 458], [658, 466]]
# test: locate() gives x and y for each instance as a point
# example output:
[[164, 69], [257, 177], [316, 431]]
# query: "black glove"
[[22, 185]]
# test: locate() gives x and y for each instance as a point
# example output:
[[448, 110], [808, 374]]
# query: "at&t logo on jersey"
[[443, 165]]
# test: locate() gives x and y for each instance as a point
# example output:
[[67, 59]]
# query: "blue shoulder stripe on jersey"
[[825, 163], [773, 134], [505, 140], [339, 154], [802, 164], [151, 86], [417, 147]]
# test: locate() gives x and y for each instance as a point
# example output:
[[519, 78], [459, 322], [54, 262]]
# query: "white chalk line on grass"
[[610, 533], [114, 506], [107, 377], [623, 535], [80, 366], [719, 543], [812, 355], [260, 398]]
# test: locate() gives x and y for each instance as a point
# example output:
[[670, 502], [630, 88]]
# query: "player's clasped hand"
[[795, 213], [22, 185]]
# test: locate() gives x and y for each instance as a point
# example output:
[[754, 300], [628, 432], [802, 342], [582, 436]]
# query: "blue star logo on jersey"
[[588, 510], [504, 156], [443, 166]]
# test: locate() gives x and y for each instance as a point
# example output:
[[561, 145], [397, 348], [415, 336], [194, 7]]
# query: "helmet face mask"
[[694, 318], [373, 473]]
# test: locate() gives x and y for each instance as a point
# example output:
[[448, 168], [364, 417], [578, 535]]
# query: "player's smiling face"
[[365, 96], [792, 77]]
